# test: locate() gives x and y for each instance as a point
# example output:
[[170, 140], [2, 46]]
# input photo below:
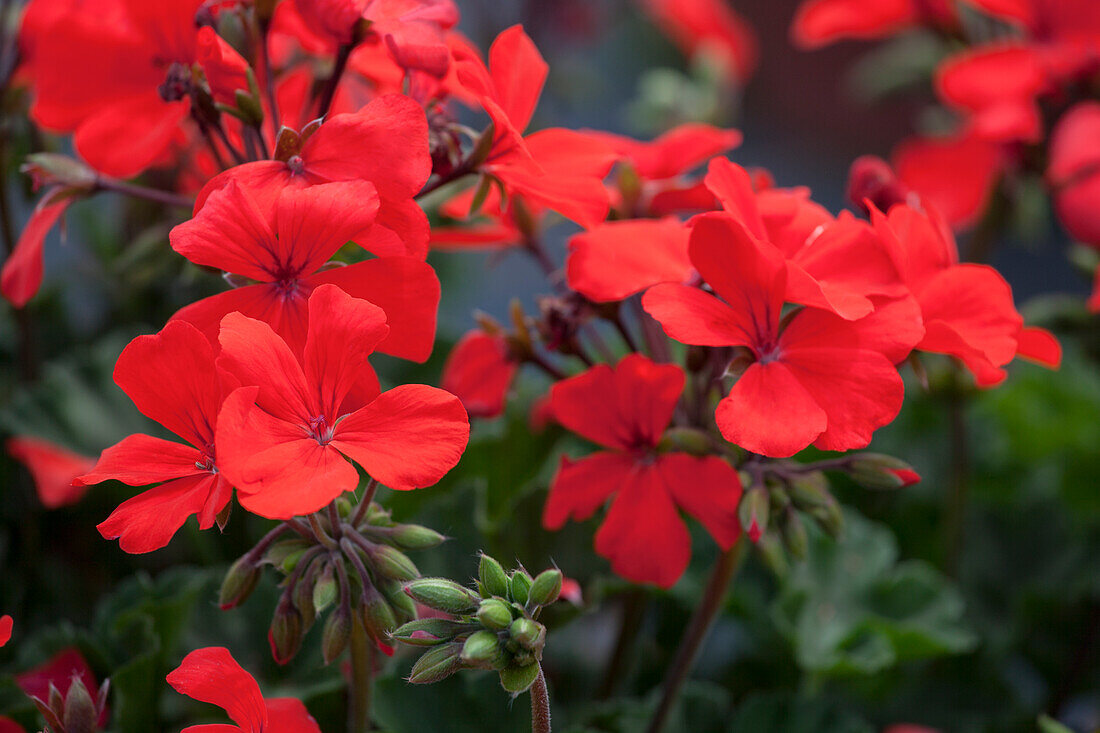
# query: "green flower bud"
[[239, 583], [520, 586], [546, 587], [494, 614], [414, 537], [794, 534], [428, 631], [494, 581], [686, 440], [285, 634], [809, 490], [527, 633], [442, 595], [325, 589], [343, 507], [754, 512], [436, 664], [378, 617], [771, 551], [401, 604], [80, 714], [517, 679], [879, 471], [290, 560], [392, 563], [829, 517], [334, 638], [277, 554], [480, 649]]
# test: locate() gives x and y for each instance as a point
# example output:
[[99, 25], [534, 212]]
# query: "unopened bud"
[[880, 471], [527, 633], [771, 551], [392, 563], [414, 537], [495, 614], [285, 634], [687, 440], [239, 583], [546, 587], [325, 589], [80, 712], [250, 109], [754, 512], [334, 638], [809, 490], [794, 534], [829, 517], [54, 169], [436, 664], [403, 606], [480, 649], [520, 586], [428, 631], [494, 581], [378, 617], [517, 679], [442, 595]]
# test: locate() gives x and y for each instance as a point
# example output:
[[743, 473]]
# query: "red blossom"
[[625, 410], [53, 469], [211, 675], [479, 371], [711, 28], [21, 276], [59, 671], [284, 436], [821, 22], [617, 259], [172, 379], [814, 377], [6, 624]]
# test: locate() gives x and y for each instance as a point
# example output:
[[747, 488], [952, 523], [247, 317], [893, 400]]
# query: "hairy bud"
[[546, 587], [494, 581], [442, 595]]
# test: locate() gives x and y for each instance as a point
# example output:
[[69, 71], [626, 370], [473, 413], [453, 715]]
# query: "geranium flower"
[[287, 255], [6, 624], [479, 371], [1073, 172], [710, 27], [619, 258], [172, 379], [625, 409], [212, 675], [821, 22], [131, 94], [59, 671], [53, 469], [283, 438], [813, 377], [385, 143]]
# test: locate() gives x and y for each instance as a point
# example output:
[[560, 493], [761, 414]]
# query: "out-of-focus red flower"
[[6, 624], [821, 22], [967, 309], [956, 173], [21, 276], [118, 74], [559, 169], [708, 27], [496, 227], [59, 671], [287, 257], [284, 436], [814, 378], [385, 143], [53, 469], [212, 675], [1074, 171], [479, 371], [7, 725], [172, 379], [625, 410], [619, 258]]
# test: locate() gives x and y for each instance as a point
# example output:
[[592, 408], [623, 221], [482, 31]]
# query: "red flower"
[[821, 22], [619, 258], [212, 675], [497, 227], [967, 309], [479, 371], [172, 379], [625, 410], [53, 469], [130, 96], [813, 378], [5, 629], [288, 259], [284, 437], [1074, 171], [59, 671], [708, 27], [385, 143], [22, 272], [556, 168]]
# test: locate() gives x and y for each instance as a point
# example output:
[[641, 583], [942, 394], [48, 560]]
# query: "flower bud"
[[402, 605], [285, 634], [771, 551], [527, 633], [495, 614], [829, 517], [239, 583], [442, 595], [754, 511], [414, 537], [428, 631], [794, 534], [687, 440], [494, 581], [545, 588], [325, 589], [520, 586], [517, 679], [378, 617], [879, 471], [436, 664], [277, 554], [50, 169], [334, 638], [480, 649], [392, 563], [80, 712], [808, 490]]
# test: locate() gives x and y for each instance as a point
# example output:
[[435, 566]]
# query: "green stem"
[[359, 690], [634, 603], [540, 705], [698, 628], [105, 183]]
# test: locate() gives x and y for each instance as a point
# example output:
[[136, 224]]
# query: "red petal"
[[138, 460], [314, 222], [5, 629], [732, 186], [286, 312], [212, 675], [127, 136], [289, 715], [255, 355], [518, 72], [956, 174], [225, 70], [1040, 346], [343, 333], [768, 411], [149, 520], [292, 478], [617, 259], [479, 371], [408, 437], [708, 489], [171, 378], [675, 152], [643, 535], [693, 317], [230, 233], [581, 487], [22, 273], [59, 670], [820, 22], [53, 469], [999, 83]]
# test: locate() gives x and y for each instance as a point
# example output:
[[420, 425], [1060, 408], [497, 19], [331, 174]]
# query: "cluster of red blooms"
[[323, 123], [1018, 97]]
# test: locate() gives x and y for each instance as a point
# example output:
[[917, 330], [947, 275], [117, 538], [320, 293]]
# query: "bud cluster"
[[492, 627], [75, 711], [349, 560]]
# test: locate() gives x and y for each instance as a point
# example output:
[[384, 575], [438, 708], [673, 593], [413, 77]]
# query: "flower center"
[[320, 430], [295, 164], [176, 84]]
